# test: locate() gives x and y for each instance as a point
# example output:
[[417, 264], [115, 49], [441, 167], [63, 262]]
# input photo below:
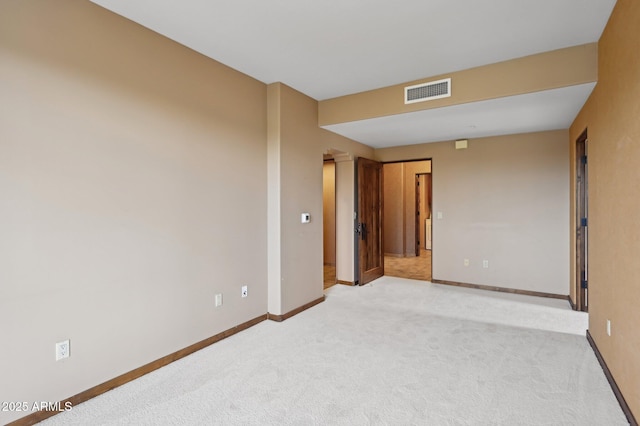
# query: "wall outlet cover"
[[62, 350]]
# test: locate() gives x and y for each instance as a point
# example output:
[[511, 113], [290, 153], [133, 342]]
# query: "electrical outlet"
[[485, 263], [466, 262], [608, 327], [218, 299], [62, 350], [244, 291]]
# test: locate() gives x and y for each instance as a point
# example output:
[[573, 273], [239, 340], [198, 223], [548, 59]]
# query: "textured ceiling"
[[332, 48]]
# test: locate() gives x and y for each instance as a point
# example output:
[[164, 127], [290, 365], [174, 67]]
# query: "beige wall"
[[301, 191], [296, 148], [329, 212], [611, 116], [394, 209], [504, 199], [132, 190]]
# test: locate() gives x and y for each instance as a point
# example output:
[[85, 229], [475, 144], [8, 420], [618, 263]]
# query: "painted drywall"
[[611, 116], [132, 190], [329, 212], [274, 230], [504, 199], [543, 71], [296, 148]]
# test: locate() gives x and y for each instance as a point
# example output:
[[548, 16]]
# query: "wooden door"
[[582, 235], [369, 219], [418, 219]]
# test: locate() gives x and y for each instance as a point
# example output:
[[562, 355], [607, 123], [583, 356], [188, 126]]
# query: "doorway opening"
[[407, 225], [582, 222], [329, 220], [337, 221]]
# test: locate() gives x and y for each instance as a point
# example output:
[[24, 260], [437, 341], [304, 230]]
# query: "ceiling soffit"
[[545, 71]]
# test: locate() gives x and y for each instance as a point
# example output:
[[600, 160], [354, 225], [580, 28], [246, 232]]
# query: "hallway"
[[416, 268]]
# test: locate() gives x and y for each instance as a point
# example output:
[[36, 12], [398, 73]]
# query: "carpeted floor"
[[394, 352]]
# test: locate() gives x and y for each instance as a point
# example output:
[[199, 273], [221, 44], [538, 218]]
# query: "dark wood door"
[[582, 222], [418, 219], [369, 220]]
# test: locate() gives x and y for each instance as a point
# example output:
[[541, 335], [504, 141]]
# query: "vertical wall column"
[[274, 265], [294, 187], [295, 152]]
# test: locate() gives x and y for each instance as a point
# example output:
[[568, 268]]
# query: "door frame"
[[431, 197], [417, 217], [420, 236]]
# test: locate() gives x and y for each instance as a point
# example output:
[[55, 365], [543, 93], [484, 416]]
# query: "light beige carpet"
[[397, 352]]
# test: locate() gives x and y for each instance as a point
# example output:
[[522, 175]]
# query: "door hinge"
[[584, 159], [583, 284], [583, 221]]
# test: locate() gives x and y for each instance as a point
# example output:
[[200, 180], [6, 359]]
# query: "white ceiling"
[[332, 48]]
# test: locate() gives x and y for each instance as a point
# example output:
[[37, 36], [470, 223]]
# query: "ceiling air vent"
[[427, 91]]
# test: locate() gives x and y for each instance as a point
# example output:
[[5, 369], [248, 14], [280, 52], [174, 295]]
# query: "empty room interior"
[[174, 173]]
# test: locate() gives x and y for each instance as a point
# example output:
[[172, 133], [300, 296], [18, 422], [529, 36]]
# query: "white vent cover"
[[427, 91]]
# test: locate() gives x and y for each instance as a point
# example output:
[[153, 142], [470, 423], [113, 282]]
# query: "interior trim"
[[39, 416], [280, 318], [503, 289], [614, 386], [345, 282]]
